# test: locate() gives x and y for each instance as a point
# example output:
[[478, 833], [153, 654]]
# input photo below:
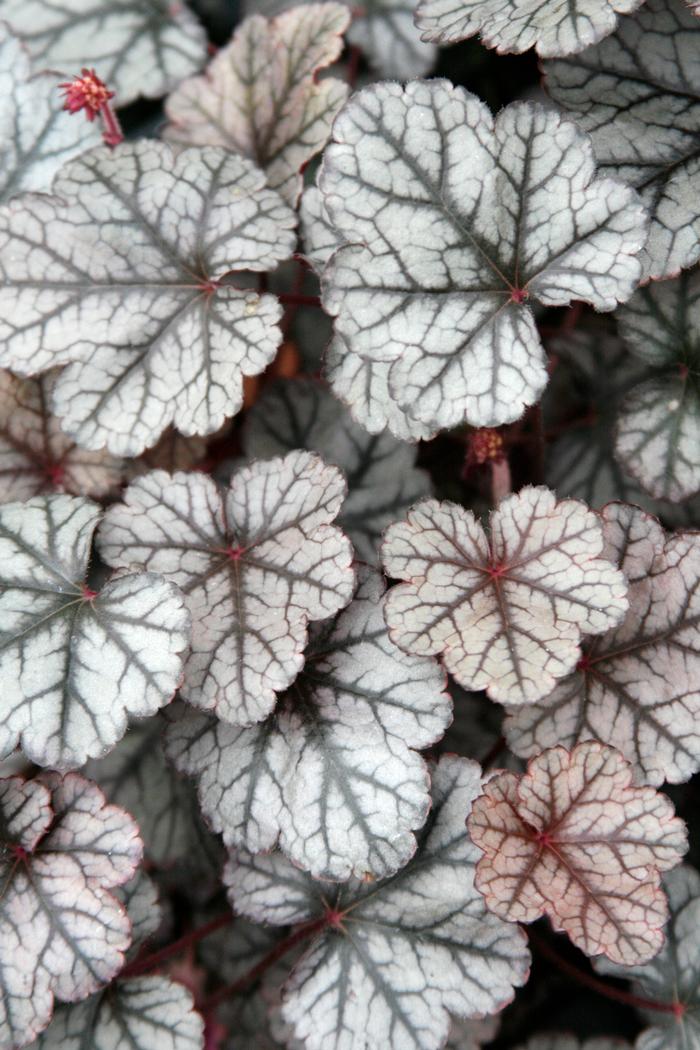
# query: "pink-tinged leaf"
[[62, 849], [506, 610], [35, 455], [636, 688], [573, 840], [256, 563], [261, 95]]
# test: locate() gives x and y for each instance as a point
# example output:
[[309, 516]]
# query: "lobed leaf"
[[451, 223], [382, 478], [397, 955], [636, 687], [139, 47], [573, 840], [506, 611], [673, 976], [126, 273], [75, 663], [261, 96], [255, 562], [637, 93], [549, 27], [331, 775], [36, 136], [658, 435], [36, 456], [63, 933]]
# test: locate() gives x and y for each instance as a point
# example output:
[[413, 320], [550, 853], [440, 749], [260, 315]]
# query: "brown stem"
[[353, 65], [300, 935], [149, 962], [493, 753], [112, 133], [596, 985], [295, 299], [540, 444]]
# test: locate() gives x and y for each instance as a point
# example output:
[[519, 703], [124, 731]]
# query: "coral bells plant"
[[349, 525]]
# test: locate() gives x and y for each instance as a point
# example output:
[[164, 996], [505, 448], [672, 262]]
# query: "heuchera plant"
[[349, 525]]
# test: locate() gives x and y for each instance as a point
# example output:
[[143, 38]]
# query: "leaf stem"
[[596, 985], [144, 963], [301, 934], [296, 299]]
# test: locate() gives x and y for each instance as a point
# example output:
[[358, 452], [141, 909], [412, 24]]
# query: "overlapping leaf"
[[36, 137], [383, 30], [673, 976], [382, 479], [140, 47], [124, 273], [507, 611], [638, 95], [330, 775], [135, 775], [35, 455], [138, 1013], [73, 663], [256, 563], [551, 28], [637, 687], [571, 839], [62, 932], [658, 435], [261, 96], [452, 222], [396, 956]]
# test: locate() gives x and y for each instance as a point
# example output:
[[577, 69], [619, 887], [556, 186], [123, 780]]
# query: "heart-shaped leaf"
[[507, 611], [443, 212], [139, 48], [638, 95], [124, 273], [636, 687], [573, 840], [73, 662], [35, 455], [256, 563], [62, 932], [139, 1013], [382, 479], [658, 435], [261, 95], [673, 976], [36, 136], [330, 775], [549, 27], [393, 957], [382, 29]]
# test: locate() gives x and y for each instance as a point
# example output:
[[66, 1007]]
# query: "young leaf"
[[673, 976], [122, 273], [573, 840], [658, 437], [382, 479], [137, 48], [36, 136], [141, 1013], [256, 563], [75, 663], [551, 28], [35, 454], [507, 611], [62, 931], [392, 957], [452, 222], [636, 687], [261, 95], [638, 95], [383, 30], [330, 776]]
